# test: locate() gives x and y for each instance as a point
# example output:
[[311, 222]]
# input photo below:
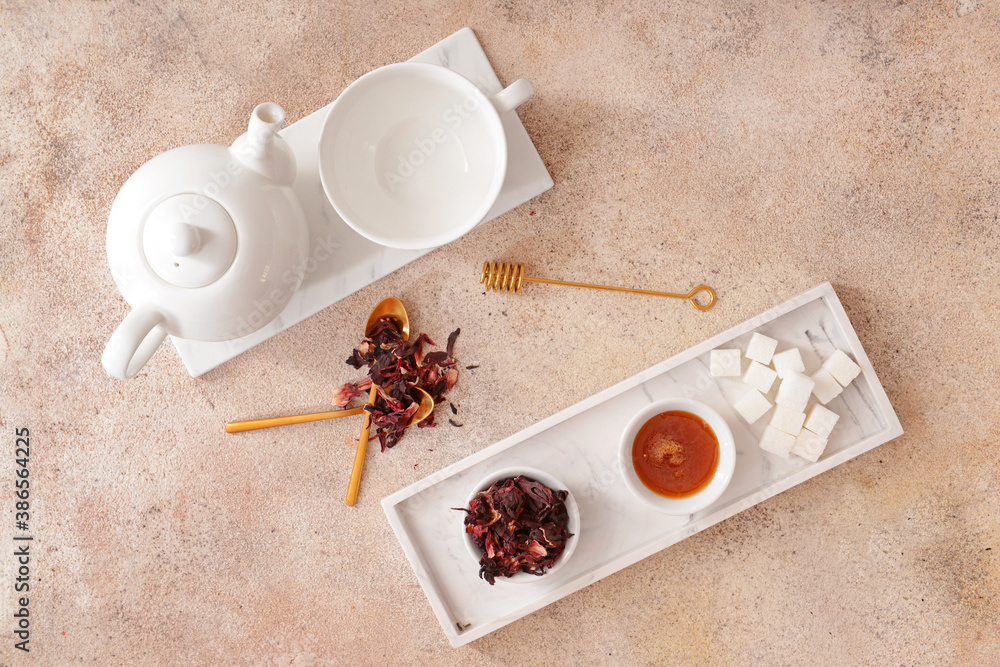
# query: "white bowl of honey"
[[677, 456]]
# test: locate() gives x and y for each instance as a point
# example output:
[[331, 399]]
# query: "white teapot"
[[206, 242]]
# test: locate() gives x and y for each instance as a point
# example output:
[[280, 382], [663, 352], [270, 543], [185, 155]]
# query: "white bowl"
[[573, 525], [723, 472], [412, 155]]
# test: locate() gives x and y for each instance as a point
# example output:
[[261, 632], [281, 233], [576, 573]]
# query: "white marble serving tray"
[[580, 447], [341, 261]]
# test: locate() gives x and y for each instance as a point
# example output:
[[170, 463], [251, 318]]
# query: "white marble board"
[[340, 260], [579, 446]]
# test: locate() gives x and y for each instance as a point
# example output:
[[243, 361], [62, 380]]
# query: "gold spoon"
[[423, 411], [392, 309]]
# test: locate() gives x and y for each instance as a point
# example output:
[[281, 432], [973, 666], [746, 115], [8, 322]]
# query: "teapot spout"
[[262, 149]]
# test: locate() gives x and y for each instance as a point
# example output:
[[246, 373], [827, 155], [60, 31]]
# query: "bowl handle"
[[133, 343], [512, 96]]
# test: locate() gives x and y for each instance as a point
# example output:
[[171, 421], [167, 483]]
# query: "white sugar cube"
[[759, 377], [789, 360], [787, 420], [808, 445], [794, 391], [821, 421], [776, 442], [724, 363], [827, 388], [842, 367], [752, 406], [761, 348]]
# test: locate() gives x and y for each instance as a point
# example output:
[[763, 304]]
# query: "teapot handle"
[[133, 343]]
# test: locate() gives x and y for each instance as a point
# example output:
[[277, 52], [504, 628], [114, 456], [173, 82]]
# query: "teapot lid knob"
[[183, 239], [189, 240]]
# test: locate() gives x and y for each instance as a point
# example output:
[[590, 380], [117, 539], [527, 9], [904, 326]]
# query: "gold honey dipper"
[[509, 276]]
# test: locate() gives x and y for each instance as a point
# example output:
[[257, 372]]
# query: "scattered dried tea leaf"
[[520, 524], [396, 367]]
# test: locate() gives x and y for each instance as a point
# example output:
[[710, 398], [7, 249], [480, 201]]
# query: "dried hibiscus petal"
[[520, 525], [396, 367]]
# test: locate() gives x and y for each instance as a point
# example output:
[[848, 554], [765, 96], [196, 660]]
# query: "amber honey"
[[675, 454]]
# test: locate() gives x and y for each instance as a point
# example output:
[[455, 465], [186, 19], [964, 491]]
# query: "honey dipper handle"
[[689, 296]]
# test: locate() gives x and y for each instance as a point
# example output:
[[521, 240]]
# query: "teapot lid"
[[189, 240]]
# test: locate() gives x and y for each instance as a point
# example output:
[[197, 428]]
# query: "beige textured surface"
[[760, 147]]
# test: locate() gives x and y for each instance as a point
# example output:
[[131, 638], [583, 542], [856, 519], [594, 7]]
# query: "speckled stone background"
[[761, 147]]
